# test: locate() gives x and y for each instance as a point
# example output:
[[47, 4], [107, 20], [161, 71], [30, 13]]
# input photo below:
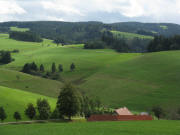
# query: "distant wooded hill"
[[80, 32]]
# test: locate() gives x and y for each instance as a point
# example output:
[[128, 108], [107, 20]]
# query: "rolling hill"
[[80, 32], [136, 80], [16, 100]]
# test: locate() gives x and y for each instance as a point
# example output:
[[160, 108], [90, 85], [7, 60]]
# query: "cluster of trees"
[[33, 69], [122, 44], [5, 57], [4, 29], [59, 40], [161, 43], [97, 44], [70, 103], [108, 40], [25, 36], [145, 32], [159, 112], [119, 43]]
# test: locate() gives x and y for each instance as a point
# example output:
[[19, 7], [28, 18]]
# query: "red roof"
[[123, 111]]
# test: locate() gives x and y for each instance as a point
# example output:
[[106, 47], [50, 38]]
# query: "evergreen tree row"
[[119, 43], [161, 43], [25, 36], [33, 69]]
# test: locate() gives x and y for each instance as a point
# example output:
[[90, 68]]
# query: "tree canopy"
[[68, 103]]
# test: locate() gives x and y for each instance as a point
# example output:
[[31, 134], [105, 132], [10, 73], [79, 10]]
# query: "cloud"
[[63, 6], [90, 10], [53, 18], [10, 7]]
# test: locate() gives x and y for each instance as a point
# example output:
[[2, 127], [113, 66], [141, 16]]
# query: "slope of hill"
[[148, 80], [16, 100], [138, 81], [25, 82]]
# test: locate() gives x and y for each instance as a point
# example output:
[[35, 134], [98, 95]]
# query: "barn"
[[121, 114]]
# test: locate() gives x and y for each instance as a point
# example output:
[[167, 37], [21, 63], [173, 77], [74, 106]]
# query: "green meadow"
[[136, 80], [161, 127], [16, 100], [19, 29], [130, 35]]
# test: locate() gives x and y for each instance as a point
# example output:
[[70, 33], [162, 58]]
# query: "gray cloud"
[[91, 10]]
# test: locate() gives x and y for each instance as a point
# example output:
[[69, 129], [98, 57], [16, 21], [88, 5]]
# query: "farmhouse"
[[121, 114]]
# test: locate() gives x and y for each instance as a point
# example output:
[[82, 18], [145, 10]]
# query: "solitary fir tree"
[[60, 68], [17, 116], [72, 67], [3, 115], [42, 68], [53, 68], [30, 111]]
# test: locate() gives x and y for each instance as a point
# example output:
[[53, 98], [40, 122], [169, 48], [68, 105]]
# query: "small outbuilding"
[[123, 111], [121, 114]]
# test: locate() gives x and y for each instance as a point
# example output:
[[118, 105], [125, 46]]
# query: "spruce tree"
[[53, 68], [26, 68], [17, 116], [30, 111], [72, 67], [43, 109], [34, 66], [60, 68], [42, 68], [3, 115]]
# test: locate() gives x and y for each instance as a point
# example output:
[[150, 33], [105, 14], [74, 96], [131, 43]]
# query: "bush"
[[158, 112], [55, 114], [15, 51]]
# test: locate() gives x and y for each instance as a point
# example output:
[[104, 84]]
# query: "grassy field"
[[138, 81], [16, 100], [95, 128], [130, 35], [25, 82], [19, 29]]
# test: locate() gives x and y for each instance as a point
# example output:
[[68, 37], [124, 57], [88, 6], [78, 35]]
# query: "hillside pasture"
[[130, 35], [19, 29], [136, 80], [16, 100]]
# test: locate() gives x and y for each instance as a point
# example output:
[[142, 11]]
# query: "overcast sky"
[[91, 10]]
